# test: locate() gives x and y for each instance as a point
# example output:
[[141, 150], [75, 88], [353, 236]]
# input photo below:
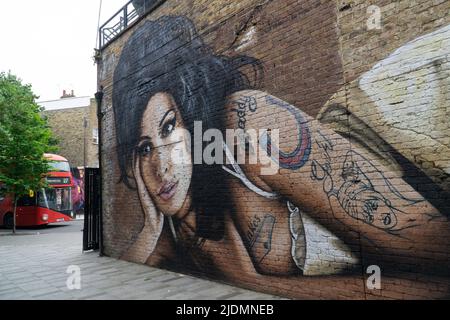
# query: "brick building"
[[73, 121], [359, 94]]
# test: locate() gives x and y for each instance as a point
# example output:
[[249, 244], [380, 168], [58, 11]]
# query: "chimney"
[[65, 95]]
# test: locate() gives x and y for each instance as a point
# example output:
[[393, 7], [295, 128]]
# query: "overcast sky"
[[50, 43]]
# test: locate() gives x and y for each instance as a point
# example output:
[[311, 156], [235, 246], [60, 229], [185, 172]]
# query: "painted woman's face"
[[165, 158]]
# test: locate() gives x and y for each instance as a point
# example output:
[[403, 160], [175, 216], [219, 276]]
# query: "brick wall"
[[73, 129], [91, 143], [360, 97]]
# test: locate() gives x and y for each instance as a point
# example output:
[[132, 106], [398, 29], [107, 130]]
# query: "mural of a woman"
[[328, 200]]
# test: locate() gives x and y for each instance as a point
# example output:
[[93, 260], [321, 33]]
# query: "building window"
[[95, 136]]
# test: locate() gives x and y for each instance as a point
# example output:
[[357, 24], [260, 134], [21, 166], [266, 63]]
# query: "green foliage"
[[24, 138]]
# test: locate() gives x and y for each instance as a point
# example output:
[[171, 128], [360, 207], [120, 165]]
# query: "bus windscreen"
[[57, 199], [59, 166]]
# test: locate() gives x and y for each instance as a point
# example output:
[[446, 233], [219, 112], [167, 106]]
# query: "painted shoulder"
[[248, 93], [247, 109]]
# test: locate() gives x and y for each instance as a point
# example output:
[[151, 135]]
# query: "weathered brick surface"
[[73, 129], [384, 91]]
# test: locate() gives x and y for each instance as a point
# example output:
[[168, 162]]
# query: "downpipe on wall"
[[99, 99]]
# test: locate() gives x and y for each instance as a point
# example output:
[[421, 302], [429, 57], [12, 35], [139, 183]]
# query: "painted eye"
[[168, 128], [387, 220], [145, 150]]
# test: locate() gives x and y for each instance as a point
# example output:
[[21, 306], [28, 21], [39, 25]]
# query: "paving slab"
[[34, 266]]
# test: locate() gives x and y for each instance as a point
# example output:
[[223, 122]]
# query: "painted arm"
[[228, 259], [341, 187]]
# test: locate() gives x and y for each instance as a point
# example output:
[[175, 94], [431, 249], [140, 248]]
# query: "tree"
[[24, 138]]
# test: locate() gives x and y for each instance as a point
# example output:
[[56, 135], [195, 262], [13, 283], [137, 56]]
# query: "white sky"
[[50, 43]]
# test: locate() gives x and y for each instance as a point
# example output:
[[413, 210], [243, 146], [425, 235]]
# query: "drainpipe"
[[99, 99]]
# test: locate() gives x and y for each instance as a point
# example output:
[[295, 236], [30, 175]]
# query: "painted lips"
[[168, 190]]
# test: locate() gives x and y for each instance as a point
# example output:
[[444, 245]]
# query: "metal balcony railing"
[[124, 18]]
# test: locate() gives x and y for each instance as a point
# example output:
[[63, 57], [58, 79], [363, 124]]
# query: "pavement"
[[43, 264]]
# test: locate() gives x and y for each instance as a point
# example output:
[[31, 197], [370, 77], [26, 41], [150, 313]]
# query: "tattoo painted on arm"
[[377, 203], [259, 236], [244, 105], [299, 157]]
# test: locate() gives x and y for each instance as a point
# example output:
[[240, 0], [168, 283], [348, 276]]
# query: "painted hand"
[[145, 244]]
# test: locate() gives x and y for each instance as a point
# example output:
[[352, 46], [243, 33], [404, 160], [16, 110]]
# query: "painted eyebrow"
[[165, 116], [144, 138]]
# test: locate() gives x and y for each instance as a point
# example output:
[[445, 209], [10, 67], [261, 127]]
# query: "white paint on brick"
[[410, 89]]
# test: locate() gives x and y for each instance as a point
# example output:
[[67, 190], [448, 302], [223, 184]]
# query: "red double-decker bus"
[[49, 205]]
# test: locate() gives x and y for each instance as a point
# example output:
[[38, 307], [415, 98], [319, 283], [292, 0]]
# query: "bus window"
[[2, 193], [57, 199], [26, 201], [59, 166]]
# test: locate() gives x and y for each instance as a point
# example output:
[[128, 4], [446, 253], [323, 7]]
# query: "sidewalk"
[[34, 267]]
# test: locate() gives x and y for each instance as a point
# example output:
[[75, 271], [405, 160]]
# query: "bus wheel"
[[8, 221]]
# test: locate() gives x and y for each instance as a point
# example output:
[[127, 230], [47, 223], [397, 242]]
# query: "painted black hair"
[[167, 55]]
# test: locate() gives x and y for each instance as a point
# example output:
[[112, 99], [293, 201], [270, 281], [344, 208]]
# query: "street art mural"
[[342, 198]]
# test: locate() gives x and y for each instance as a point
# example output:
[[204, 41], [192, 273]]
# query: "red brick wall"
[[383, 90]]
